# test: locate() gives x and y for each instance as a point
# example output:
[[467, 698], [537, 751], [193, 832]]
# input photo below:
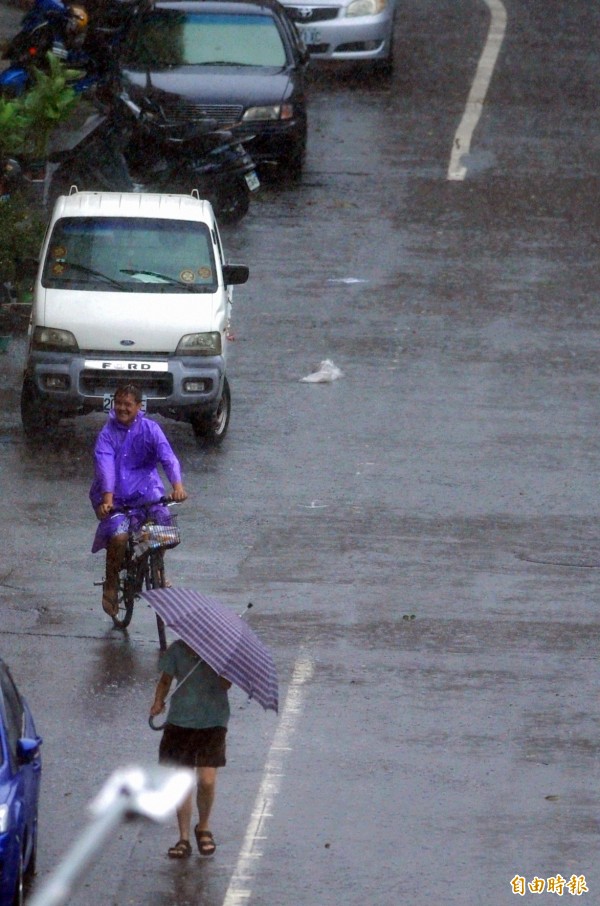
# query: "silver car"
[[347, 29]]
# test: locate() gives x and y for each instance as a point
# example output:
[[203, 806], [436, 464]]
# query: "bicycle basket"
[[163, 535]]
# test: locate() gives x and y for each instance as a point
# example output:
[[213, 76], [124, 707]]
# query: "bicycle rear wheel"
[[155, 578], [126, 598]]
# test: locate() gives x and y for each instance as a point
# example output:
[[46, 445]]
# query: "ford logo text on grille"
[[127, 342]]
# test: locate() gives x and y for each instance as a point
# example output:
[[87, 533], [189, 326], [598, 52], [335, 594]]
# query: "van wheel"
[[37, 418], [213, 428]]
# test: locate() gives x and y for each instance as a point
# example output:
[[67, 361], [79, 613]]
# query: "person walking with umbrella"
[[193, 737]]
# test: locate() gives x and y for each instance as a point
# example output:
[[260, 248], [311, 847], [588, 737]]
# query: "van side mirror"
[[234, 274]]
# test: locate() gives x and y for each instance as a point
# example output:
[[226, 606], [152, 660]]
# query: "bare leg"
[[205, 796], [115, 553], [184, 817], [182, 849]]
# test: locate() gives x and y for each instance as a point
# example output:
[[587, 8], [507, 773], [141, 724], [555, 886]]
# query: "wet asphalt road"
[[419, 538]]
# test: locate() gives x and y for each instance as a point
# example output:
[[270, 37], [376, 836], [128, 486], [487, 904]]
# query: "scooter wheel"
[[232, 202]]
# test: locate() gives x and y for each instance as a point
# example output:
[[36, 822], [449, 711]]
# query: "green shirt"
[[201, 701]]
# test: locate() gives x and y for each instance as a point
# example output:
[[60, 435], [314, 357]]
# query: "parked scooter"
[[163, 156], [90, 157], [82, 41], [122, 148]]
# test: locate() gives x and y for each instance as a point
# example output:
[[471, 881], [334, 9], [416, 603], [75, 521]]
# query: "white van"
[[130, 288]]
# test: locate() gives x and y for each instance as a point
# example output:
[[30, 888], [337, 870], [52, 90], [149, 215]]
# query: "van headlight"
[[51, 339], [200, 344], [3, 819], [366, 8]]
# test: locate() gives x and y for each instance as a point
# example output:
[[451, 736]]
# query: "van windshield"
[[133, 254]]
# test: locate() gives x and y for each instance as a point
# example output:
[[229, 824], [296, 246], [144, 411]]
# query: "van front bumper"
[[176, 387]]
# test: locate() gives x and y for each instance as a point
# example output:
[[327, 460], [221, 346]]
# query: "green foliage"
[[27, 121], [49, 101], [13, 126], [21, 233]]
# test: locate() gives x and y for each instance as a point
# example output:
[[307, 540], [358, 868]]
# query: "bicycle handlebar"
[[145, 505]]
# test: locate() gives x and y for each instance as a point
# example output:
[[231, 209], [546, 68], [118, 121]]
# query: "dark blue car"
[[20, 773], [239, 62]]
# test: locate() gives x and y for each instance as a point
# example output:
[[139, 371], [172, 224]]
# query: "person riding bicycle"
[[127, 452]]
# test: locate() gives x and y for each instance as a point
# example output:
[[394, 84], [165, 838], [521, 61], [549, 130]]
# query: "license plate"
[[310, 35], [129, 367], [252, 181], [108, 402]]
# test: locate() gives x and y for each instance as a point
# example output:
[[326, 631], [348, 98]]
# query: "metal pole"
[[63, 882], [129, 792]]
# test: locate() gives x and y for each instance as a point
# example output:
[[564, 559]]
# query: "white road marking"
[[485, 69], [240, 886]]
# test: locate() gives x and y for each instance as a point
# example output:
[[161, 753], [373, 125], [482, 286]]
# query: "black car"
[[232, 61]]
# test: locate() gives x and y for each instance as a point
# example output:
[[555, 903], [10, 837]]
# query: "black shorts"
[[189, 748]]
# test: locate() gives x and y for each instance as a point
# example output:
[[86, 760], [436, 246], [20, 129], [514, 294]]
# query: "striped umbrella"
[[221, 638]]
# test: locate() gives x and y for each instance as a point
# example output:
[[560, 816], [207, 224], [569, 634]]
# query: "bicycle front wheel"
[[126, 597]]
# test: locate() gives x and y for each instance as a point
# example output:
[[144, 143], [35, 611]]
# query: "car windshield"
[[134, 254], [169, 38]]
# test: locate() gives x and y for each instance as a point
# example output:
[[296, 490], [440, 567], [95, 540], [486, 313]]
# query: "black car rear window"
[[107, 254], [168, 38]]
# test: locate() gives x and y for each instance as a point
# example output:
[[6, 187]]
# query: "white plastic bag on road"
[[325, 374]]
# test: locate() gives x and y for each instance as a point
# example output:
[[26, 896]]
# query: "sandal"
[[181, 850], [110, 601], [206, 842]]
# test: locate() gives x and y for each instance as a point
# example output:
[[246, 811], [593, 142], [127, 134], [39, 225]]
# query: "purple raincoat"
[[125, 461]]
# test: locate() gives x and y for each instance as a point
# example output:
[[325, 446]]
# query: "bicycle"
[[143, 564]]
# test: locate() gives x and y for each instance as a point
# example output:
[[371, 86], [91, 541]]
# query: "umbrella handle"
[[170, 695], [151, 723]]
